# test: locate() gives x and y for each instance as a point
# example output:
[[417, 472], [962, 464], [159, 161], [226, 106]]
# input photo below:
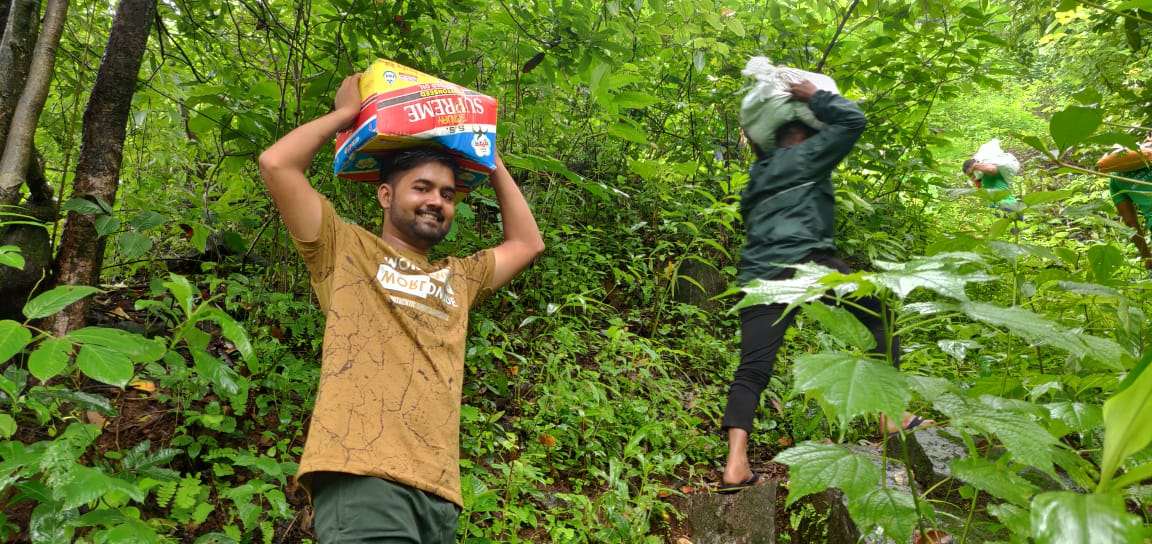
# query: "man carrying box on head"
[[381, 459], [789, 212]]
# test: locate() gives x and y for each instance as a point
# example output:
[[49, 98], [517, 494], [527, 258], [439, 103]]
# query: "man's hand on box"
[[348, 98]]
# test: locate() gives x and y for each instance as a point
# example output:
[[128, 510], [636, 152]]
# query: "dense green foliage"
[[596, 380]]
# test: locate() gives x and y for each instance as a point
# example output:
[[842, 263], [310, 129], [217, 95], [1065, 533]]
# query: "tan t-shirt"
[[388, 403]]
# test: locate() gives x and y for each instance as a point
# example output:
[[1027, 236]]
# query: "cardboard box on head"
[[402, 108]]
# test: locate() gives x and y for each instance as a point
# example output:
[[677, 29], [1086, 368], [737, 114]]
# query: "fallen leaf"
[[143, 386]]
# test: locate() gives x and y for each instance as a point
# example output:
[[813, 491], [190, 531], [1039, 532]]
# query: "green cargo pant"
[[362, 509]]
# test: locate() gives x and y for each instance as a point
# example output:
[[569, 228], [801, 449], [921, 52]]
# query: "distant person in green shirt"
[[1132, 199], [987, 176]]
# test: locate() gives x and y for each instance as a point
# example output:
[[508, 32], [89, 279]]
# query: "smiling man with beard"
[[381, 459]]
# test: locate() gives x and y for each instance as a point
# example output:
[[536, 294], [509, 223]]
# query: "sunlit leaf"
[[628, 132], [1073, 125], [814, 467], [1066, 517], [1078, 416], [7, 426], [55, 300]]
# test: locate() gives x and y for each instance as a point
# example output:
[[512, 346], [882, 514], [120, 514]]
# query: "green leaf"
[[50, 358], [890, 509], [1073, 125], [88, 484], [82, 206], [1028, 442], [183, 292], [10, 256], [842, 324], [138, 348], [134, 244], [7, 429], [850, 386], [1066, 517], [105, 365], [814, 467], [233, 331], [1087, 96], [1037, 144], [1126, 417], [634, 99], [55, 300], [1044, 197], [994, 478], [1104, 260], [1013, 517], [225, 380], [940, 273], [628, 132], [1039, 330], [13, 338], [147, 220], [106, 224], [1078, 416]]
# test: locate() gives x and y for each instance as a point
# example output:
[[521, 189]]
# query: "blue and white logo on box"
[[389, 77]]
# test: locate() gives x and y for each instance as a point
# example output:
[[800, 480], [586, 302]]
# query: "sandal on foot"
[[732, 488]]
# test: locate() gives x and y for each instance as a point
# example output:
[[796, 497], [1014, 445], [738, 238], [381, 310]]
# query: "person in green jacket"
[[1131, 202], [789, 213]]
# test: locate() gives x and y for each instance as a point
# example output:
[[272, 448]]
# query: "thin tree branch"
[[839, 28]]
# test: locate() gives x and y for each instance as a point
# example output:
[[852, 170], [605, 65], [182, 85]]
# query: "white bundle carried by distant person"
[[1005, 162], [768, 104]]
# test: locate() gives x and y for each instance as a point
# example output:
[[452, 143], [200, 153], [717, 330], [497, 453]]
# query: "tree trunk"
[[81, 253], [21, 26], [18, 147]]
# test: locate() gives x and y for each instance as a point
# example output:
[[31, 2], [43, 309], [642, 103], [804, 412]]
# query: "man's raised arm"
[[283, 166], [522, 240]]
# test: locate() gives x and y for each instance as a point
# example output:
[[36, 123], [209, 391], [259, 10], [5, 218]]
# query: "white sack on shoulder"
[[1005, 162], [769, 104]]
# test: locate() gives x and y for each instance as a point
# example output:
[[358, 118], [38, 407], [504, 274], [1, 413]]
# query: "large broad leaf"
[[88, 484], [7, 429], [1028, 442], [943, 274], [1073, 125], [851, 386], [1104, 260], [105, 365], [13, 338], [994, 478], [1039, 330], [1065, 517], [50, 358], [892, 510], [1126, 417], [137, 347], [813, 467], [842, 324], [810, 282], [55, 300]]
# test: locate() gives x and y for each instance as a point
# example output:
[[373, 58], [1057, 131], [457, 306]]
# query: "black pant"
[[762, 332]]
